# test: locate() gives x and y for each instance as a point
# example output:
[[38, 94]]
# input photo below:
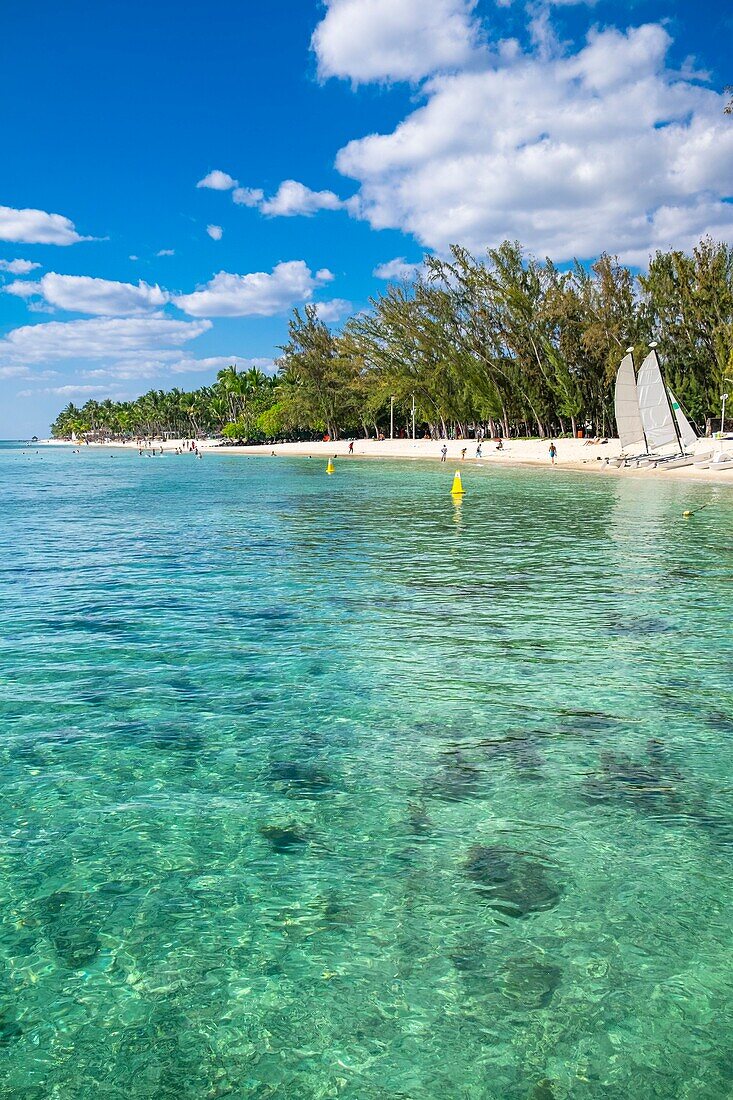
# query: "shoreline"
[[575, 455]]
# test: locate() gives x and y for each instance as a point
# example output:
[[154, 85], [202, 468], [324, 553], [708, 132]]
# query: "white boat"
[[665, 424], [649, 417], [626, 404], [676, 463]]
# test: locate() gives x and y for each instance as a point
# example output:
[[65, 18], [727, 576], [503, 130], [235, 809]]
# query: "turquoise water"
[[328, 787]]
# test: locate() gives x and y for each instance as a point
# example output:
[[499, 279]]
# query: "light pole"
[[413, 418], [391, 417], [723, 399]]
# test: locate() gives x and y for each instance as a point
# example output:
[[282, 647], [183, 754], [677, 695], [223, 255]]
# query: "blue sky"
[[345, 140]]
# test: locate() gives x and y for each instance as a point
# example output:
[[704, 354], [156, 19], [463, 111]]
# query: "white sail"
[[688, 435], [660, 427], [628, 419]]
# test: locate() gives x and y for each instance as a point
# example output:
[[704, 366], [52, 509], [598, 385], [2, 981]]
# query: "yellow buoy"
[[457, 489], [330, 469]]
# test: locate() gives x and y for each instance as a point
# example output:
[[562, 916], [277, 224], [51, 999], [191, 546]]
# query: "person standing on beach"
[[443, 453], [351, 447], [463, 454], [553, 453], [478, 451]]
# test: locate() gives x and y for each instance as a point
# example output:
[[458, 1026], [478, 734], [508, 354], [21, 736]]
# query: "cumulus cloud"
[[156, 367], [396, 270], [215, 232], [259, 294], [71, 389], [293, 198], [393, 40], [18, 267], [108, 338], [166, 252], [84, 294], [571, 153], [333, 310], [37, 227], [248, 196], [218, 181]]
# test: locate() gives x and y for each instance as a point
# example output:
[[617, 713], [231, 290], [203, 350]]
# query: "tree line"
[[504, 341]]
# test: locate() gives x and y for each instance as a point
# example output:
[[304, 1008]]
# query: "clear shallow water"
[[326, 787]]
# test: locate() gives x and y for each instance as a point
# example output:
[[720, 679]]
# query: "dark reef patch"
[[71, 922], [530, 983], [300, 780], [514, 883], [651, 785], [284, 838]]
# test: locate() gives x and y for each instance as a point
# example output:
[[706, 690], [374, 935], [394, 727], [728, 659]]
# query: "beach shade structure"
[[457, 489], [330, 469]]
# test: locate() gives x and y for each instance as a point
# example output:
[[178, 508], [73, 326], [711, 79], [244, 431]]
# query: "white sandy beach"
[[572, 454]]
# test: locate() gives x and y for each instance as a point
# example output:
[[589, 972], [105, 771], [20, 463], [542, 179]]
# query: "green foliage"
[[688, 304], [504, 341], [319, 374], [273, 421]]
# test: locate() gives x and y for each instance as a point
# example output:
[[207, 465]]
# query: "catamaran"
[[649, 416]]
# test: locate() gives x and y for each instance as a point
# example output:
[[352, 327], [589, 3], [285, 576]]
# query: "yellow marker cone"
[[457, 489], [330, 469]]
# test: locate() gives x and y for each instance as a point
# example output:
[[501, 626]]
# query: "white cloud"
[[156, 367], [218, 181], [18, 267], [37, 227], [248, 196], [133, 257], [396, 270], [293, 198], [391, 40], [108, 338], [333, 310], [166, 252], [215, 232], [571, 153], [257, 294], [84, 294], [17, 371], [72, 389]]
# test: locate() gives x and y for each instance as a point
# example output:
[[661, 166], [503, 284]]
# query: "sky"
[[176, 178]]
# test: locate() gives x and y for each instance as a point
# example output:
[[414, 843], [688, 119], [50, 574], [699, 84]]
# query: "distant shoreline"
[[573, 454]]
